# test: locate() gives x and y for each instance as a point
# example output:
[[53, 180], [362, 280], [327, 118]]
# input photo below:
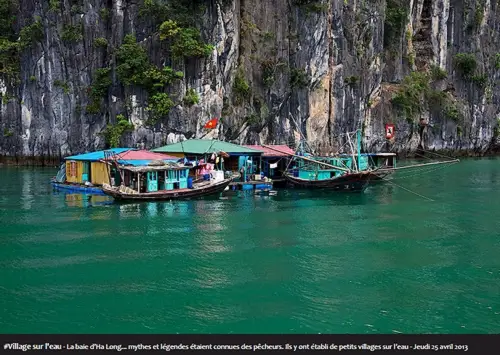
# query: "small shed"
[[89, 167]]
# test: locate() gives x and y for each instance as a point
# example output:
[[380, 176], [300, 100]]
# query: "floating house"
[[87, 172], [206, 149]]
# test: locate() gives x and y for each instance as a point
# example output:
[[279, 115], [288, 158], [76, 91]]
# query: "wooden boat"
[[163, 182], [357, 181], [198, 190]]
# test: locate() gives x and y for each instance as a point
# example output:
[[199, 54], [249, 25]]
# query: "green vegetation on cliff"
[[113, 133], [416, 95], [99, 89], [134, 68], [191, 98], [184, 42], [396, 14], [12, 43]]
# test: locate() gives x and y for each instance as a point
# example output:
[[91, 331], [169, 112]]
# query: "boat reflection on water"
[[84, 200], [177, 209], [340, 198], [154, 209], [382, 194], [266, 194]]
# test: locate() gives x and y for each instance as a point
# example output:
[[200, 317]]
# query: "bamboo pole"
[[419, 165], [307, 159], [352, 153]]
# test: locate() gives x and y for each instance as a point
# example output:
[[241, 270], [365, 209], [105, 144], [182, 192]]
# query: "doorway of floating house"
[[85, 171], [152, 177]]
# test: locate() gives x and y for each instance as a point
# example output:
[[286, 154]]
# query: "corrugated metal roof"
[[96, 156], [273, 153], [203, 146], [144, 155]]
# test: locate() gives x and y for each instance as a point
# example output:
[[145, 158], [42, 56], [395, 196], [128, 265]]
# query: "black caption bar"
[[222, 344]]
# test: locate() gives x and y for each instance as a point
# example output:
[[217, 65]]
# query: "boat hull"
[[184, 194], [77, 188], [351, 182]]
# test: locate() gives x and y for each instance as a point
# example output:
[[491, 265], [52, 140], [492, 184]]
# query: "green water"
[[299, 262]]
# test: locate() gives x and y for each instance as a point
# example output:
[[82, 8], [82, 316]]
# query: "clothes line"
[[273, 165]]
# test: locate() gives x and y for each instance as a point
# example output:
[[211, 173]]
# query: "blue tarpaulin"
[[96, 156]]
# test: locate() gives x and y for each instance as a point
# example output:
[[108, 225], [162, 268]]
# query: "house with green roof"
[[200, 147], [195, 149]]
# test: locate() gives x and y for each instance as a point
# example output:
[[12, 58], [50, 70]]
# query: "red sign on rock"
[[389, 131]]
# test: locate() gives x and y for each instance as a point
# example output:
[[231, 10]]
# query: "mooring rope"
[[423, 171], [404, 188]]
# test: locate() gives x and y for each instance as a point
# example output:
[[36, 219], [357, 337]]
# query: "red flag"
[[211, 124]]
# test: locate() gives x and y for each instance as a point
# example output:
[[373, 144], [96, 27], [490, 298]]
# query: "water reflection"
[[178, 208], [26, 186], [152, 209], [81, 200], [130, 210]]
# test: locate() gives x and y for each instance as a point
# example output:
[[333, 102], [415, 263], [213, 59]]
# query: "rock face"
[[277, 71]]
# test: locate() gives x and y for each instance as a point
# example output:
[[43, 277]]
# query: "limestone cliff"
[[73, 79]]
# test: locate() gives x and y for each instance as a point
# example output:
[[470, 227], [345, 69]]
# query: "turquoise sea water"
[[383, 261]]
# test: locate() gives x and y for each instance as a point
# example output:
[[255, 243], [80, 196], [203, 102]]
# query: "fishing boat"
[[342, 172], [164, 181], [323, 173], [351, 171]]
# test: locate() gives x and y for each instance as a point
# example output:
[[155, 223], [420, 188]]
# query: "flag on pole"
[[211, 124]]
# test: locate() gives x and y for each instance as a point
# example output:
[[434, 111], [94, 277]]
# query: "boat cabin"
[[382, 160], [310, 171], [155, 178]]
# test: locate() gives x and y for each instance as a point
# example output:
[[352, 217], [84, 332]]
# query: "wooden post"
[[139, 182]]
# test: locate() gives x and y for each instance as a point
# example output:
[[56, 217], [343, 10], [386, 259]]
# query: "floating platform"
[[77, 188], [251, 185]]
